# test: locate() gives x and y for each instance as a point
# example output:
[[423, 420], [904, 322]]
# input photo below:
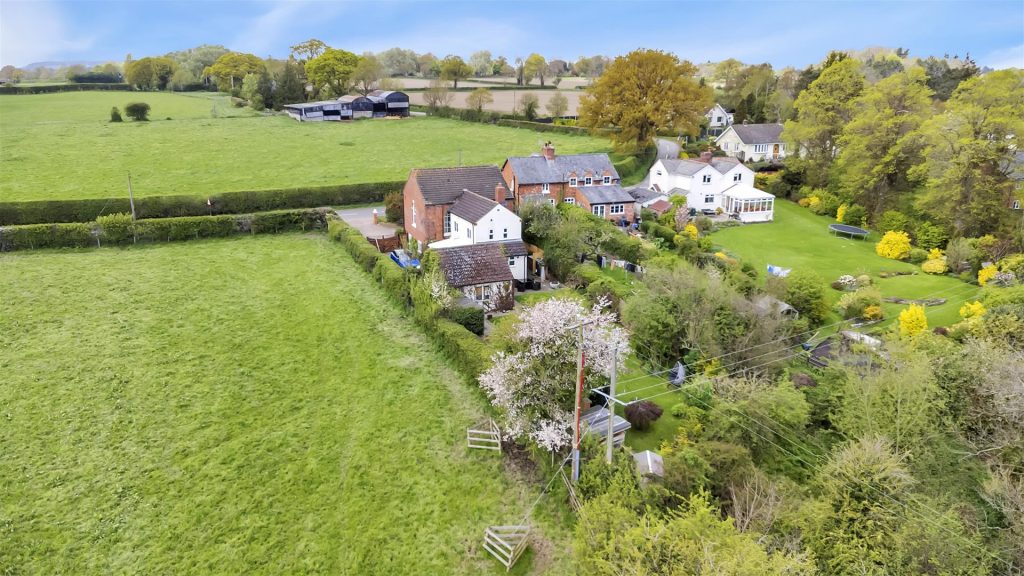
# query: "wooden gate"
[[506, 543], [485, 436]]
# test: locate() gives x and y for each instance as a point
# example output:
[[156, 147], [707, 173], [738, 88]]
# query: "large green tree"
[[288, 85], [308, 50], [453, 68], [970, 154], [195, 60], [231, 68], [368, 74], [334, 69], [822, 111], [150, 73], [882, 142], [642, 93], [535, 66]]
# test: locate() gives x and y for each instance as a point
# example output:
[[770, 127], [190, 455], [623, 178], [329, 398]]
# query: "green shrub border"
[[469, 354], [70, 87], [243, 202], [84, 235]]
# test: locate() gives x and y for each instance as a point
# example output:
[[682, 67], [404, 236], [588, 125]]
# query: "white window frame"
[[588, 181], [737, 177], [607, 180], [447, 223], [569, 201], [598, 210], [1016, 204], [504, 234], [511, 261], [706, 179], [706, 198], [617, 209], [490, 234], [572, 182], [545, 188], [658, 172], [414, 215]]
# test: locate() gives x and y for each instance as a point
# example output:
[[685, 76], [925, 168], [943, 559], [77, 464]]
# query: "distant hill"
[[86, 63]]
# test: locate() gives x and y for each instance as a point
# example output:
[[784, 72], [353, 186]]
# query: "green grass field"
[[799, 239], [57, 146], [245, 406]]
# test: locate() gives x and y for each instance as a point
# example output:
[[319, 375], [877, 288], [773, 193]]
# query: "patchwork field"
[[57, 146], [247, 406], [799, 239], [509, 100]]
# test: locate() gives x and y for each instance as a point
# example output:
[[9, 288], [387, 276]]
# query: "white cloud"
[[1012, 57], [34, 31]]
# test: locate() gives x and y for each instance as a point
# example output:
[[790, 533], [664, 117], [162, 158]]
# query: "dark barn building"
[[397, 103]]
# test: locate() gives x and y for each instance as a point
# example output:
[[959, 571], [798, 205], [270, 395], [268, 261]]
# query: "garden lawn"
[[243, 406], [62, 146], [800, 239]]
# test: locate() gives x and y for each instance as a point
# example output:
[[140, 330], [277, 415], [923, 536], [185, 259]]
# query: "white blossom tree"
[[533, 384]]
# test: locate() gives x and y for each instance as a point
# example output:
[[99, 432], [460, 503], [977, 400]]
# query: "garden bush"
[[471, 317], [893, 221], [115, 228], [642, 414], [805, 291], [394, 208], [115, 115], [855, 215], [242, 202], [855, 304], [138, 111], [894, 245], [917, 255], [928, 235]]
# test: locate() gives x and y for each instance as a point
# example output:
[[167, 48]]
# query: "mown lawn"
[[244, 406], [58, 146], [800, 239]]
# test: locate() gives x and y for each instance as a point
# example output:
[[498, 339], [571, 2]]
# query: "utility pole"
[[579, 401], [131, 197], [610, 404]]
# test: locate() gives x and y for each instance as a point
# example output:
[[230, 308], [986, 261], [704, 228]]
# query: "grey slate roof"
[[610, 194], [641, 194], [537, 169], [759, 133], [514, 248], [445, 185], [595, 420], [475, 264], [472, 207], [1018, 166], [689, 166]]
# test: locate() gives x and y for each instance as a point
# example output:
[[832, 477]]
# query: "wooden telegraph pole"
[[610, 404], [579, 400]]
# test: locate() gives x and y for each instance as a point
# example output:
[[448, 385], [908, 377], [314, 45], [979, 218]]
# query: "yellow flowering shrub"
[[936, 253], [813, 202], [803, 202], [841, 212], [894, 244], [972, 310], [935, 266], [873, 313], [691, 231], [913, 320], [986, 274]]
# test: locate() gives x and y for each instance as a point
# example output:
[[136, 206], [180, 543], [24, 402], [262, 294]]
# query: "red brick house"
[[587, 180], [430, 193]]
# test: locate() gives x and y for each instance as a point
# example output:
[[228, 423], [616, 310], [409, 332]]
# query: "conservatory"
[[748, 204]]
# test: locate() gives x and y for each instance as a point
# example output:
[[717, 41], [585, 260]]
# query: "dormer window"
[[607, 180], [588, 181], [707, 179], [572, 181], [737, 177]]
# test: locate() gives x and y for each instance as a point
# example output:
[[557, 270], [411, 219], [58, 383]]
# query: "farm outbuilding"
[[395, 103], [361, 106], [317, 111]]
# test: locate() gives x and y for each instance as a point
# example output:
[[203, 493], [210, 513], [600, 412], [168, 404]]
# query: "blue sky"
[[793, 33]]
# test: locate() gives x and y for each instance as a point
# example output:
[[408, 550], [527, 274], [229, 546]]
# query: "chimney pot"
[[548, 150], [705, 156]]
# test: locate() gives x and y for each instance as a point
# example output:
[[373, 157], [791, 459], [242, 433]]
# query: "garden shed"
[[595, 421], [396, 103], [649, 463]]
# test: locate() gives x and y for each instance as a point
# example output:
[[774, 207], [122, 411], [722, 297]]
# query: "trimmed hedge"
[[470, 317], [80, 235], [543, 127], [86, 210], [468, 353], [29, 89]]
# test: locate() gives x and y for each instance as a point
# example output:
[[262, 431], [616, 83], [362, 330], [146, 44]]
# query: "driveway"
[[666, 149], [362, 219]]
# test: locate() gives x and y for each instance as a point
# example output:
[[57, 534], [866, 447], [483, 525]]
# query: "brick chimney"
[[499, 194], [548, 150], [705, 156]]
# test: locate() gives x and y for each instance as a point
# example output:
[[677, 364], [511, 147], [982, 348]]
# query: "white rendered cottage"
[[718, 119], [753, 142], [711, 183], [484, 250]]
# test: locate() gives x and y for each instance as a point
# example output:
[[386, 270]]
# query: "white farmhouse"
[[753, 142], [718, 119], [712, 183], [484, 251]]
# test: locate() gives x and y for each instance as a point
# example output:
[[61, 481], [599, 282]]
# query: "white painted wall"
[[731, 144]]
